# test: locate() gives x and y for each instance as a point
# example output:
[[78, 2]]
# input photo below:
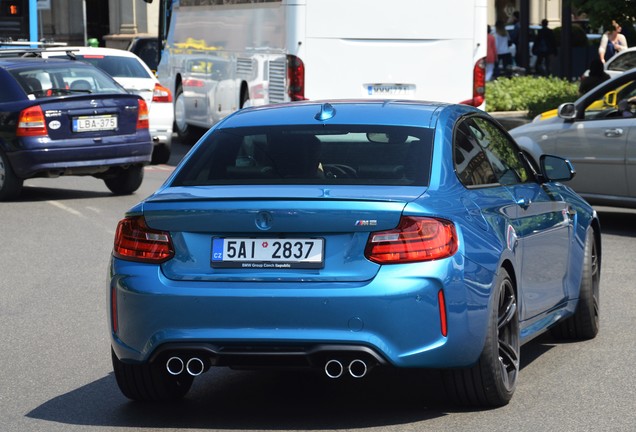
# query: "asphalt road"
[[55, 371]]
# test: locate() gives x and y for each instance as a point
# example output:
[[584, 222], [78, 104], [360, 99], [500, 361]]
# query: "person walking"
[[544, 48], [491, 54], [612, 42], [504, 55]]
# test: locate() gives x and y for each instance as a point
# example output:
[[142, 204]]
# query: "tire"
[[149, 382], [185, 132], [245, 99], [492, 381], [10, 184], [125, 181], [584, 324], [160, 154]]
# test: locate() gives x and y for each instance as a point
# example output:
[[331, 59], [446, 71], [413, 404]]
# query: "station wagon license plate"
[[94, 123], [267, 253]]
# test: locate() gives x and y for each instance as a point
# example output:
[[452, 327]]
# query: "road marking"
[[166, 168], [66, 208]]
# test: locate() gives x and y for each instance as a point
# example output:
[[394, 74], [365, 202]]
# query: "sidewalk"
[[511, 119]]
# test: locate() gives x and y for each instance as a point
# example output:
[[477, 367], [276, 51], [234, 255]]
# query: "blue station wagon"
[[61, 117], [350, 235]]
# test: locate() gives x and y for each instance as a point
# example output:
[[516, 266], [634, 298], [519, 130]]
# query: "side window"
[[501, 151], [615, 104], [471, 163]]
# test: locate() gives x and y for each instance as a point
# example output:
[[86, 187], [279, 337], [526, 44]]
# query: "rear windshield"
[[331, 154], [47, 80], [115, 66]]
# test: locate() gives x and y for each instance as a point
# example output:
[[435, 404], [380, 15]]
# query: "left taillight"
[[142, 115], [161, 94], [415, 239], [135, 241], [31, 122]]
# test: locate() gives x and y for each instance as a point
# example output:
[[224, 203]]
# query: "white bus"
[[221, 55]]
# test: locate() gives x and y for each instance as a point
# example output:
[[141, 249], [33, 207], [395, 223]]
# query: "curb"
[[511, 119]]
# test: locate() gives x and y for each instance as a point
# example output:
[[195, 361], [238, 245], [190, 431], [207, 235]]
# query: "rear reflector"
[[31, 122], [415, 239], [134, 241], [441, 300]]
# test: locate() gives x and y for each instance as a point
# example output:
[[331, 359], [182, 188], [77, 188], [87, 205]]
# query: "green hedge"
[[528, 93]]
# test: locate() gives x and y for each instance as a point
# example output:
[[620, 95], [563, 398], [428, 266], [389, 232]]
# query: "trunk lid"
[[342, 217]]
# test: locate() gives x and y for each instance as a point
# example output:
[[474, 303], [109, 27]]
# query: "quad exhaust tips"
[[357, 368], [176, 366]]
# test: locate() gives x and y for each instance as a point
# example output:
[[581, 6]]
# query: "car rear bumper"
[[394, 318], [75, 160]]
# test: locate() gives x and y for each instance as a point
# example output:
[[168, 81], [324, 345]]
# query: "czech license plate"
[[390, 89], [94, 123], [267, 253]]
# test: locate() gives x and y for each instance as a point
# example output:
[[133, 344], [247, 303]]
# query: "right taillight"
[[31, 122], [135, 241], [143, 121], [161, 94], [295, 78], [415, 239]]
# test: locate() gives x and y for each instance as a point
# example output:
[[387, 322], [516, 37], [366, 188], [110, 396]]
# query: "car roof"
[[351, 111], [84, 50]]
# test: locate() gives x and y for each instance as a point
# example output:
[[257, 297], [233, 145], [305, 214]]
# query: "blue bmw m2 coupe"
[[351, 235]]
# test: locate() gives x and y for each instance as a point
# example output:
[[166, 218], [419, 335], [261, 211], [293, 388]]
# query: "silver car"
[[597, 133]]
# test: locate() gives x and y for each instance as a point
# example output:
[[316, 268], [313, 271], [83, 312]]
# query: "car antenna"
[[70, 54]]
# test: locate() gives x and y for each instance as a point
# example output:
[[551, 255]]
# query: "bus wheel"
[[245, 99], [184, 130]]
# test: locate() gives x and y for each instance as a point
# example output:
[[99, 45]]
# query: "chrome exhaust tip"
[[334, 369], [174, 365], [358, 368], [195, 366]]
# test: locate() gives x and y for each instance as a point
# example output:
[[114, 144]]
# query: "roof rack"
[[44, 43], [33, 49]]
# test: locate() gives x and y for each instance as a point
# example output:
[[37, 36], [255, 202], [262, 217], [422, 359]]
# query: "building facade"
[[115, 22], [112, 22]]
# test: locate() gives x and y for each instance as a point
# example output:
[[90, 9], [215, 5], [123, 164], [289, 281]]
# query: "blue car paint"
[[391, 308]]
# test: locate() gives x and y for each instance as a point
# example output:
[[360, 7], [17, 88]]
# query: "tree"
[[601, 13]]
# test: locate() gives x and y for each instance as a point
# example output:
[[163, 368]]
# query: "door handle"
[[613, 132]]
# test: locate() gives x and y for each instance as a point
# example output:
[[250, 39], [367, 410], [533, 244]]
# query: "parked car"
[[68, 118], [350, 235], [136, 77], [147, 49], [596, 133], [619, 63]]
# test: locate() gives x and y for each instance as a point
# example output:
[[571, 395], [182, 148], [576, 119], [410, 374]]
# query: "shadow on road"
[[617, 221], [296, 400]]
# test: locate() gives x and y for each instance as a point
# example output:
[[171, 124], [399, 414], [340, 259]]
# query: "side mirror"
[[555, 168], [567, 111]]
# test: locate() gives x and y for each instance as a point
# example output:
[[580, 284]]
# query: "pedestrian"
[[491, 54], [544, 48], [612, 42], [504, 55], [596, 76], [514, 35]]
